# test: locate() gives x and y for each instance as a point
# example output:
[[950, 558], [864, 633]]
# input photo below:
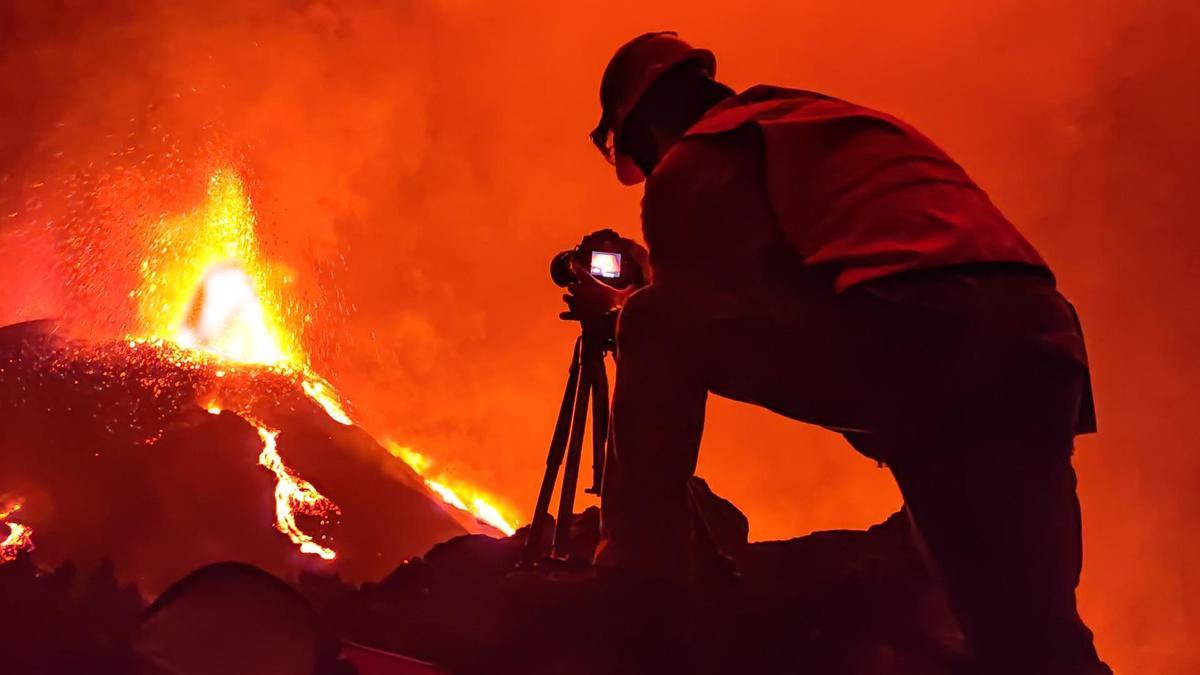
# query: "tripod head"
[[597, 333]]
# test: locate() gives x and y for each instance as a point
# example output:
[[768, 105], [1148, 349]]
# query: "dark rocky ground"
[[831, 602], [841, 602]]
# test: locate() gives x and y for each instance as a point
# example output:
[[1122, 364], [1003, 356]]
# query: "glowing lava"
[[19, 538], [206, 286], [227, 319], [462, 496], [293, 494], [320, 391], [207, 290]]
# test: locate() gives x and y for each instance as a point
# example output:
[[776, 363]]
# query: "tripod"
[[586, 379]]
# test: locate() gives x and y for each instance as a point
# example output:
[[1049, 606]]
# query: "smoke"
[[417, 164]]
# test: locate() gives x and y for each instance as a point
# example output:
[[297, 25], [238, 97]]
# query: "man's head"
[[654, 88]]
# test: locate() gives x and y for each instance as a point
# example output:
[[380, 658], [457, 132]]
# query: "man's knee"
[[649, 322]]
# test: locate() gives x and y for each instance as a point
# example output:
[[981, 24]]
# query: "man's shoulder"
[[771, 92], [771, 106], [762, 93], [696, 157], [728, 136], [758, 103]]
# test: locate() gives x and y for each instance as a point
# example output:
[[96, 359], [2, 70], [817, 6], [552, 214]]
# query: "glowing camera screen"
[[606, 265]]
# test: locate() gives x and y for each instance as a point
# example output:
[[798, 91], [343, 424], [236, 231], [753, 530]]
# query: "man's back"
[[858, 194]]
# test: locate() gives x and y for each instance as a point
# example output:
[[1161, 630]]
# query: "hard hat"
[[635, 66]]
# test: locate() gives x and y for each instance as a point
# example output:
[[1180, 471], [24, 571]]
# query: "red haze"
[[395, 150]]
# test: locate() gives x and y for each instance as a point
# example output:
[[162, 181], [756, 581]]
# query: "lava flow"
[[461, 496], [207, 292], [19, 538], [293, 494]]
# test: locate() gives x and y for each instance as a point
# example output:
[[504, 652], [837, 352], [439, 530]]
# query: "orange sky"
[[396, 150]]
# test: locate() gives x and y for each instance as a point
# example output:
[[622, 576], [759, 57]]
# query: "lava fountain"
[[207, 294]]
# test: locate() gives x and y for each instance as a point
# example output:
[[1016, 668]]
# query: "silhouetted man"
[[830, 263]]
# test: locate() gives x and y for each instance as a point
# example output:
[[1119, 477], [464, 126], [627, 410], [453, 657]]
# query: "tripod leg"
[[566, 503], [554, 457], [600, 409]]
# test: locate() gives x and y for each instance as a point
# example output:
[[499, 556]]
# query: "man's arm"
[[708, 222]]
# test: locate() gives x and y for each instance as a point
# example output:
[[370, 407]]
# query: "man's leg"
[[995, 505], [813, 370], [658, 418]]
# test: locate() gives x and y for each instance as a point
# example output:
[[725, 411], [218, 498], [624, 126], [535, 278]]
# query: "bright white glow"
[[227, 318]]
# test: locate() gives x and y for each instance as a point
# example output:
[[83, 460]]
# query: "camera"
[[619, 263], [606, 255]]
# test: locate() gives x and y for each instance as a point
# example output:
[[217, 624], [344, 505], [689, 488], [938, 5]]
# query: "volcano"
[[113, 456], [204, 434]]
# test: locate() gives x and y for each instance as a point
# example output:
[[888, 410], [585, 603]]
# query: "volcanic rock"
[[834, 603], [842, 602], [55, 622]]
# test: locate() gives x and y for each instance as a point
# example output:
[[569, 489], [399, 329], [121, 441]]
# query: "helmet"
[[635, 66]]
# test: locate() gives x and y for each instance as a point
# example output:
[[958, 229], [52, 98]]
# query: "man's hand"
[[589, 298]]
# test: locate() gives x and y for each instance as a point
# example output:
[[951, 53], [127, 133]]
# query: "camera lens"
[[560, 268]]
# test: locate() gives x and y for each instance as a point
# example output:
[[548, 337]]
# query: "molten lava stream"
[[293, 494], [19, 538], [479, 505]]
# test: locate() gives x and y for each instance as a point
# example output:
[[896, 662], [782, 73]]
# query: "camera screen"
[[606, 265]]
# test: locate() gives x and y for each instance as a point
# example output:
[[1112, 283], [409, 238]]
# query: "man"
[[830, 263]]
